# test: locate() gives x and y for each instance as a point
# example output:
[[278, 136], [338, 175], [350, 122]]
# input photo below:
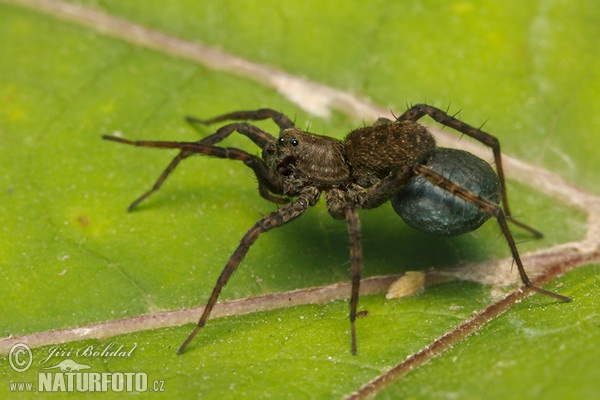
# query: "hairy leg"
[[268, 181], [275, 219], [491, 208], [356, 266], [419, 110], [382, 191], [280, 119]]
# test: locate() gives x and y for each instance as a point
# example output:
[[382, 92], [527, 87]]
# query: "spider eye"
[[293, 142]]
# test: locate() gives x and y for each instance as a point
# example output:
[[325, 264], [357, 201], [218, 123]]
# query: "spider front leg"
[[419, 110], [492, 209], [257, 135], [268, 182], [161, 179], [282, 216], [282, 120]]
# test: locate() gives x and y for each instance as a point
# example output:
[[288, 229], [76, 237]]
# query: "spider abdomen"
[[433, 210]]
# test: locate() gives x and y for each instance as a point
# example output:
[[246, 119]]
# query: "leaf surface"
[[72, 255]]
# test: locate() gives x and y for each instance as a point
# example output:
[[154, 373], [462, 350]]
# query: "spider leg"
[[280, 119], [282, 216], [419, 110], [342, 205], [383, 190], [268, 182], [491, 208], [356, 266], [161, 179], [257, 135]]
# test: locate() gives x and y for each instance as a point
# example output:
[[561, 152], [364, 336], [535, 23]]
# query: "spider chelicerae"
[[436, 190]]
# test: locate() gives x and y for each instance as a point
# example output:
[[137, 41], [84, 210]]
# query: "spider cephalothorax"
[[390, 160]]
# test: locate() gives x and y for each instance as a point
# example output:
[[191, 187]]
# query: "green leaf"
[[534, 350], [72, 256]]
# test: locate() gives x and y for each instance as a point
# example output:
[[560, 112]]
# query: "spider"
[[394, 160]]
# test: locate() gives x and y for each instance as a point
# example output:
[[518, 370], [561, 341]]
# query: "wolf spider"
[[372, 165]]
